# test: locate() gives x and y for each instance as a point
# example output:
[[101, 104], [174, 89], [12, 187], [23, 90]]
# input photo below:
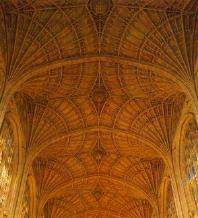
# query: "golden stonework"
[[98, 108]]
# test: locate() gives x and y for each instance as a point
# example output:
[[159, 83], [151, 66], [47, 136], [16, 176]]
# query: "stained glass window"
[[171, 209], [25, 210], [191, 158], [6, 161]]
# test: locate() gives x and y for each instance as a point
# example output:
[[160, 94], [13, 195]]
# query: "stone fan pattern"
[[99, 97], [162, 38], [60, 207]]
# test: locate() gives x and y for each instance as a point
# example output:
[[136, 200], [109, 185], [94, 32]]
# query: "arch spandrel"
[[146, 115], [38, 122]]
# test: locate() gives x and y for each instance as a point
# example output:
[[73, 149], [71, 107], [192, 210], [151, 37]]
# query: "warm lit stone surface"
[[98, 91]]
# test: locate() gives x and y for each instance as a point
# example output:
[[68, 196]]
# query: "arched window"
[[6, 161], [191, 158], [171, 209], [25, 209]]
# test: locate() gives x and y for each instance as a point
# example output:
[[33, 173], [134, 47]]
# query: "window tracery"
[[25, 209], [6, 161], [171, 209], [191, 158]]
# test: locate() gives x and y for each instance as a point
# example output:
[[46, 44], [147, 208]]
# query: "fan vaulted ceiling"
[[99, 89]]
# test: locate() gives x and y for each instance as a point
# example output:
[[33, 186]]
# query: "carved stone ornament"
[[100, 10], [100, 7], [98, 192], [98, 152], [99, 95]]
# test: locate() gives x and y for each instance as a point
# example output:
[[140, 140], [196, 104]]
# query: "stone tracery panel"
[[191, 158], [25, 209], [171, 209], [6, 161]]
